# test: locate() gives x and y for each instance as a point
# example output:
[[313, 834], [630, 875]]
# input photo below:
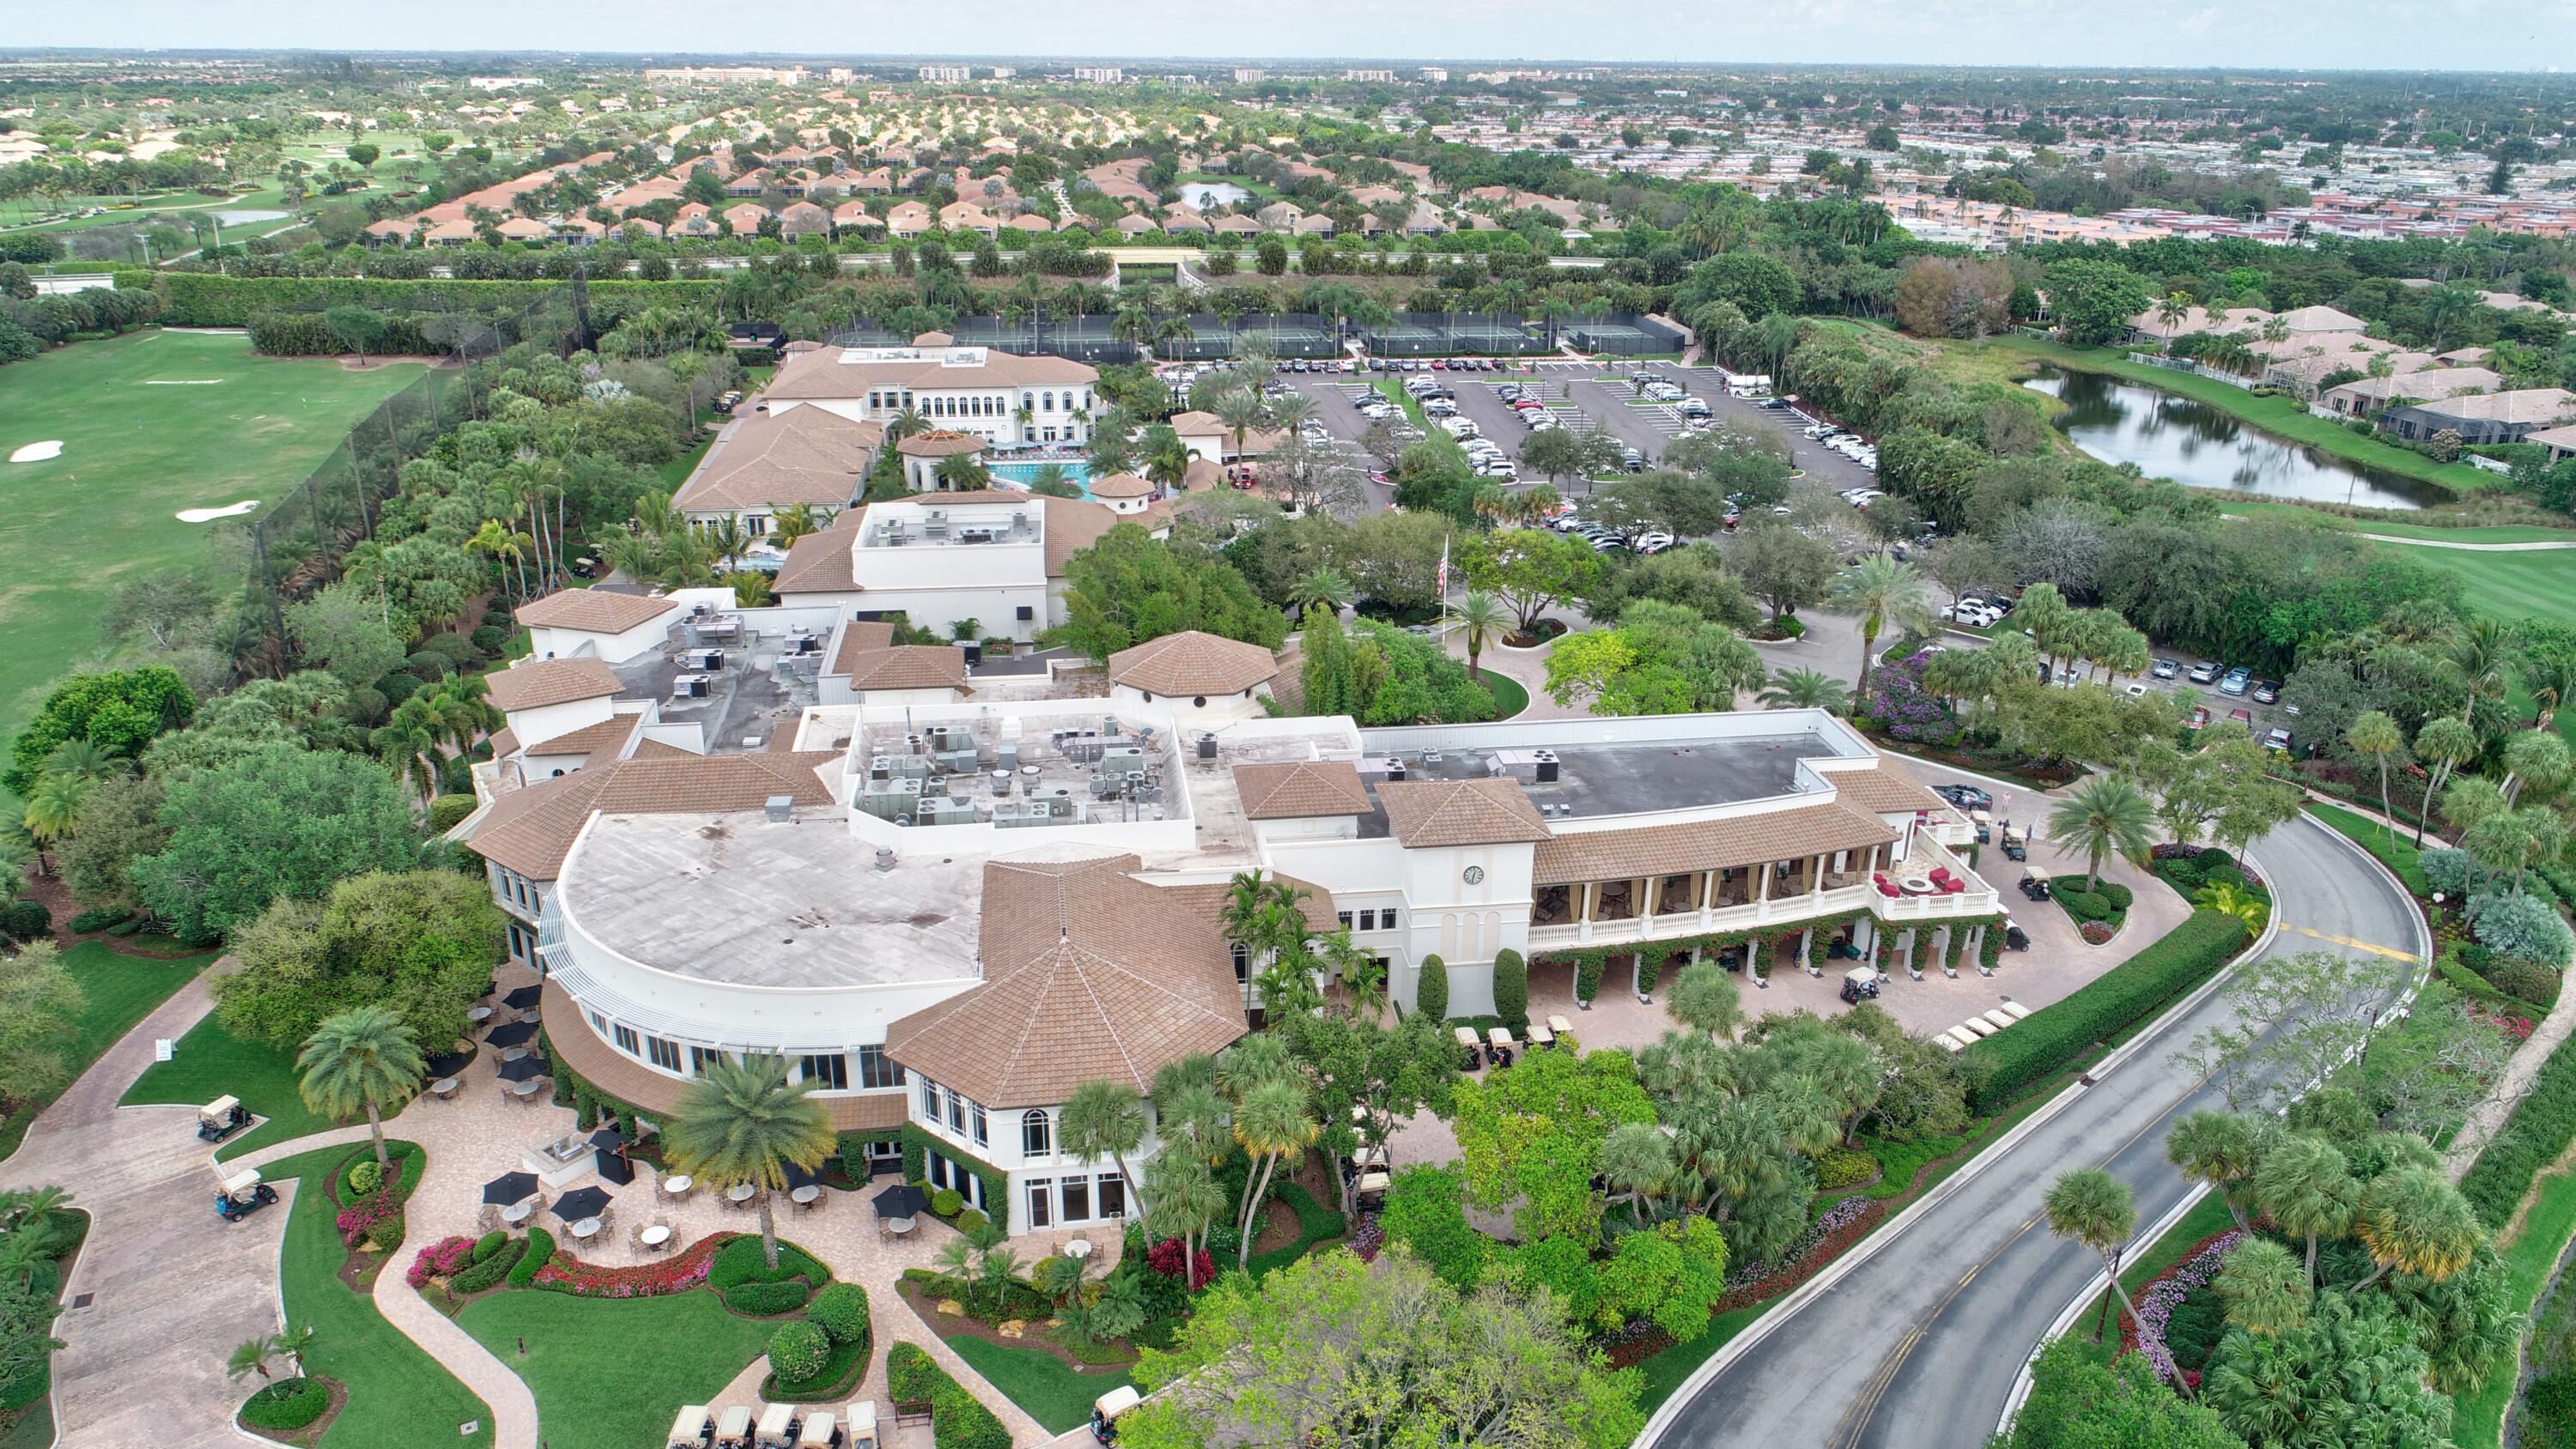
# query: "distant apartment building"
[[947, 73], [1005, 72], [1381, 77], [1102, 75], [505, 82], [1436, 75], [1250, 75], [724, 75], [841, 75]]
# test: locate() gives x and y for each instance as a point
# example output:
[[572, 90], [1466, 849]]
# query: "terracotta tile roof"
[[1072, 525], [909, 666], [630, 1081], [822, 373], [1881, 790], [1706, 844], [819, 563], [771, 460], [531, 830], [1089, 973], [536, 683], [505, 744], [1191, 662], [595, 611], [607, 737], [1121, 485], [1306, 788], [1426, 814], [660, 750], [938, 444], [860, 636]]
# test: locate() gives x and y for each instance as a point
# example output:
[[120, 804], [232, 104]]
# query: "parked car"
[[1966, 797], [2204, 673], [1632, 460], [2238, 680], [2277, 739], [2166, 669], [2199, 716], [2267, 691], [2241, 715]]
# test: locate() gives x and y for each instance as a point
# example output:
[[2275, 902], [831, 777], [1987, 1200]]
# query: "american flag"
[[1444, 568]]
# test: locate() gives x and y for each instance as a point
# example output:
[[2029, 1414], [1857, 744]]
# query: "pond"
[[1207, 194], [2170, 436]]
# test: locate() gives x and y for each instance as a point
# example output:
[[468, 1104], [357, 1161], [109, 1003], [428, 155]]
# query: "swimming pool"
[[1021, 475]]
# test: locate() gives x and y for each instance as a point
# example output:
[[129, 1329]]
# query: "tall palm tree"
[[2551, 677], [2374, 733], [53, 810], [2265, 1289], [1882, 591], [361, 1060], [796, 521], [1483, 619], [2220, 1149], [1240, 411], [729, 540], [503, 546], [2443, 745], [2477, 658], [1636, 1161], [1186, 1201], [2095, 1209], [2306, 1187], [1324, 587], [742, 1121], [1272, 1122], [1804, 689], [1106, 1119], [2413, 1218], [1293, 411], [2104, 815]]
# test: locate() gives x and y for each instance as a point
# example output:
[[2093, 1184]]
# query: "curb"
[[1834, 1272], [2093, 1291]]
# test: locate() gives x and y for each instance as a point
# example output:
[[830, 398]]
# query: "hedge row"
[[2009, 1063], [2533, 1137], [287, 1405], [490, 1269], [201, 299], [310, 334], [540, 1252], [958, 1420]]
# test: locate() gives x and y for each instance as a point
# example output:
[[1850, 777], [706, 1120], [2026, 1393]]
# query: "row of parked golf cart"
[[778, 1426]]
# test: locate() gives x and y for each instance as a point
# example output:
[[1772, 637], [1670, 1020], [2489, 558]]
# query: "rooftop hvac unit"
[[1105, 786], [885, 859], [1128, 760], [889, 799], [940, 810], [1006, 755], [1022, 815], [1059, 801], [1547, 770], [778, 808], [703, 659], [974, 653], [957, 762], [1395, 767], [898, 767], [952, 737], [690, 686], [1207, 745]]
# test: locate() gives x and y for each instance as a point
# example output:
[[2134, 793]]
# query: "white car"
[[1653, 540], [1458, 427]]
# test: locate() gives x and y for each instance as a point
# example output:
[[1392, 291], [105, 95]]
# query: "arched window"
[[1037, 1134]]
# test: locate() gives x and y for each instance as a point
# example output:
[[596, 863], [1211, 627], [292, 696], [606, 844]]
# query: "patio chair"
[[489, 1220]]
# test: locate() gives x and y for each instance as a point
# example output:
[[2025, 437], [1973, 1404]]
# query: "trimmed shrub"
[[958, 1420], [26, 921], [489, 638], [2005, 1065], [489, 1270], [971, 1219], [1431, 998], [99, 918], [2082, 904], [369, 1175], [1836, 1168], [1587, 977], [767, 1300], [740, 1261], [2523, 980], [2533, 1137], [946, 1201], [286, 1405], [2447, 869], [484, 1247], [1511, 990], [842, 1312], [2523, 926], [446, 810], [540, 1251], [797, 1351], [2119, 897]]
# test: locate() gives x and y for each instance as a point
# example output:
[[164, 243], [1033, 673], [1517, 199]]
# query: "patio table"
[[678, 1184], [443, 1088], [478, 1014], [739, 1193], [654, 1236], [586, 1229], [512, 1054], [525, 1090], [519, 1212], [805, 1196]]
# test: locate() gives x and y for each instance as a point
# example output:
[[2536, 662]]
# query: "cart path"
[[2535, 546]]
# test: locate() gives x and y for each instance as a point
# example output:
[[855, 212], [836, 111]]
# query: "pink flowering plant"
[[359, 1223], [2165, 1294], [442, 1259], [568, 1274]]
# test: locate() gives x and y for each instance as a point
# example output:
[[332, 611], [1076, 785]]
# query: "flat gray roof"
[[740, 900], [1630, 777]]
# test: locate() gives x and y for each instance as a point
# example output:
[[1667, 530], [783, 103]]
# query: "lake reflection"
[[2170, 436]]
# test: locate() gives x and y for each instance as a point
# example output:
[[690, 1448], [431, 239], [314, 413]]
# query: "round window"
[[1200, 701]]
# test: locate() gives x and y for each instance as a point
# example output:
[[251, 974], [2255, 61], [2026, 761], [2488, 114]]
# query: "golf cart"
[[2016, 844], [2015, 938], [2034, 883], [1985, 822], [221, 1118], [1108, 1408], [1860, 984], [242, 1194]]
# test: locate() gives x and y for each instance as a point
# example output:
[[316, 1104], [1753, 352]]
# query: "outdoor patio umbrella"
[[799, 1177], [903, 1200], [446, 1066], [523, 998], [608, 1139], [517, 1033], [614, 1169], [581, 1202], [510, 1187], [525, 1069]]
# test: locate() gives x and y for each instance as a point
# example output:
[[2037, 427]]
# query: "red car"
[[2199, 717]]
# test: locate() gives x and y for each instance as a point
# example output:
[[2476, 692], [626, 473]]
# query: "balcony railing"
[[1673, 925]]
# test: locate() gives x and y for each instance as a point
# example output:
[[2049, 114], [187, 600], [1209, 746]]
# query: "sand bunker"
[[38, 452], [209, 515]]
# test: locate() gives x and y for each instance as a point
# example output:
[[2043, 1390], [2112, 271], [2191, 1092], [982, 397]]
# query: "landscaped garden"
[[211, 1062], [116, 992]]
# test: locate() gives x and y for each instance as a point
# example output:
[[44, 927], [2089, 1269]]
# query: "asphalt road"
[[1919, 1345]]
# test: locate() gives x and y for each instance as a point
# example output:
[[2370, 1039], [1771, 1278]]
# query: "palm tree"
[[2095, 1209], [53, 810], [2413, 1218], [1292, 412], [2551, 677], [796, 521], [1324, 588], [2443, 744], [1882, 591], [1271, 1121], [1704, 998], [2220, 1149], [742, 1121], [729, 540], [2306, 1187], [2374, 733], [1106, 1119], [2101, 816], [82, 759], [2265, 1289], [1240, 411], [1804, 689], [1186, 1201], [498, 541], [2476, 658], [253, 1356], [1484, 619], [1636, 1161], [364, 1059]]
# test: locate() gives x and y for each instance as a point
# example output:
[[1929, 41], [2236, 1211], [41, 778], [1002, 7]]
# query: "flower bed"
[[378, 1209], [1368, 1237], [2165, 1292], [564, 1273], [443, 1259]]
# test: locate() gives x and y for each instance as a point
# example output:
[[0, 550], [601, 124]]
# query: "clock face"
[[1475, 875]]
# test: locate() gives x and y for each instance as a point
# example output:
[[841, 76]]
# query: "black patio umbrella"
[[510, 1187], [523, 998], [608, 1139], [581, 1202], [799, 1177], [614, 1169], [517, 1033], [903, 1200], [525, 1069], [446, 1066]]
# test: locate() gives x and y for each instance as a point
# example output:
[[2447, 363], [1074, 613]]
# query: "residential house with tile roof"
[[1006, 399], [765, 461]]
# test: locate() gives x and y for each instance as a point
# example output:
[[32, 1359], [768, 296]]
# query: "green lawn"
[[2493, 533], [1509, 696], [2477, 1420], [116, 992], [2284, 416], [2395, 851], [211, 1062], [609, 1373], [1045, 1387], [2511, 586], [133, 455], [398, 1395]]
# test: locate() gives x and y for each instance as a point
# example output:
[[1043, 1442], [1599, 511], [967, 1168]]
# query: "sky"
[[2476, 35]]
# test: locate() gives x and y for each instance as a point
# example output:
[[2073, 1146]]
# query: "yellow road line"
[[2372, 947]]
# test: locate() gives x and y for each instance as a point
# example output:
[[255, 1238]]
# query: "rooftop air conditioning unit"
[[778, 808]]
